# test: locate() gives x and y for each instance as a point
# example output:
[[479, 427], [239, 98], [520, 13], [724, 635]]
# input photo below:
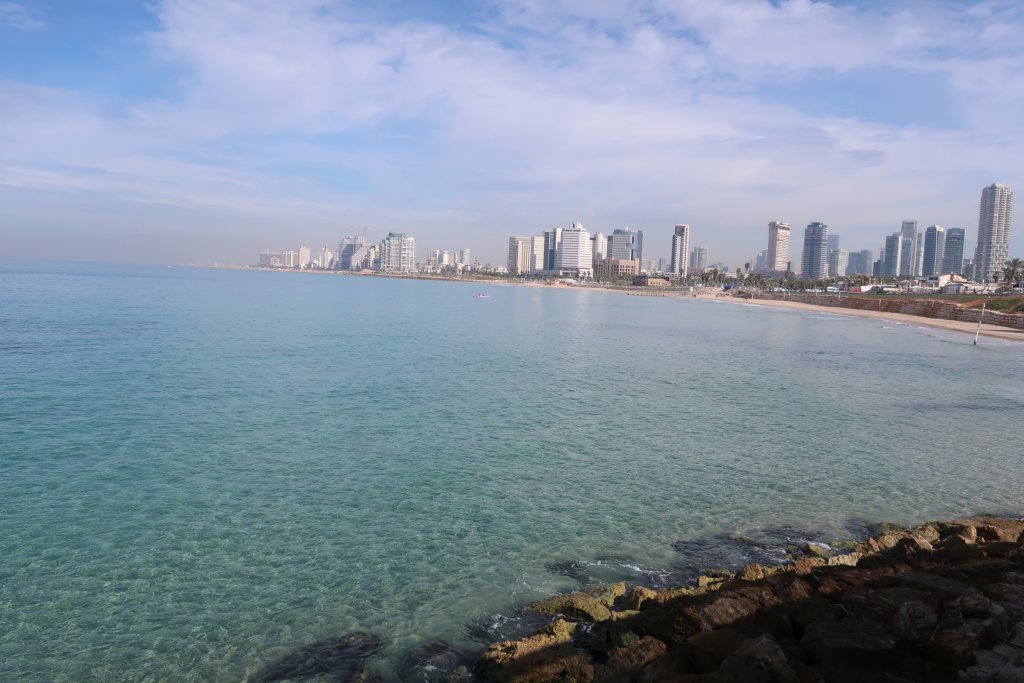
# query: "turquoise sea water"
[[203, 470]]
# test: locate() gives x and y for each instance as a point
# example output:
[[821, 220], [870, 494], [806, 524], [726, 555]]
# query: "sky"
[[203, 131]]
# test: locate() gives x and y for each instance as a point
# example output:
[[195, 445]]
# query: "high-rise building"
[[398, 253], [552, 238], [290, 259], [464, 257], [537, 254], [892, 255], [837, 263], [860, 262], [574, 256], [761, 262], [680, 250], [599, 247], [626, 244], [934, 250], [833, 243], [326, 259], [908, 250], [351, 253], [994, 219], [304, 256], [814, 263], [520, 255], [953, 252], [699, 259], [778, 246]]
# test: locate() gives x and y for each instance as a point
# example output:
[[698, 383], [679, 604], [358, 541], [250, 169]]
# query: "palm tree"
[[1014, 271]]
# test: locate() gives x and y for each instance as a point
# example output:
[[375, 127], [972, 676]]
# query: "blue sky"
[[205, 130]]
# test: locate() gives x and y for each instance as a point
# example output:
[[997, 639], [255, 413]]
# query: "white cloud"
[[17, 16], [642, 113]]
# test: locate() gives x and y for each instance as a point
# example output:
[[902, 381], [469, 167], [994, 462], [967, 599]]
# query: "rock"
[[575, 607], [625, 661], [342, 657], [545, 656], [760, 660], [433, 662], [817, 549], [751, 572], [996, 528], [929, 532], [712, 578], [844, 559], [909, 547], [1005, 592], [915, 621], [606, 595], [939, 586], [726, 609], [805, 565], [848, 643], [612, 634], [708, 649], [635, 598]]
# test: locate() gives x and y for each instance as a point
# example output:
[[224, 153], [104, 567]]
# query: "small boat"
[[481, 295]]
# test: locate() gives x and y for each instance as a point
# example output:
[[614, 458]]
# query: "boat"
[[481, 295]]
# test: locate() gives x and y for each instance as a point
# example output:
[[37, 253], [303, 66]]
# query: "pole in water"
[[980, 316]]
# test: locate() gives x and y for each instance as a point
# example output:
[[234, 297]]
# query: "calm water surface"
[[202, 470]]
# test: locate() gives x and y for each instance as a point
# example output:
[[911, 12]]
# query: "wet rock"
[[606, 595], [342, 657], [433, 662], [909, 547], [575, 607], [545, 656], [635, 598], [569, 568], [815, 549]]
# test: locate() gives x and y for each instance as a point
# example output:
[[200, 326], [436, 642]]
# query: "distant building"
[[761, 262], [860, 262], [837, 262], [351, 253], [574, 257], [934, 250], [520, 255], [290, 259], [680, 250], [994, 219], [699, 259], [953, 252], [613, 268], [833, 243], [778, 246], [537, 254], [398, 253], [814, 264], [552, 239], [893, 255], [626, 244], [304, 256], [661, 265], [908, 249], [269, 259], [599, 247]]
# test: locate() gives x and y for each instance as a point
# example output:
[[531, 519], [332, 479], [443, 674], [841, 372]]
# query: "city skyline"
[[186, 131]]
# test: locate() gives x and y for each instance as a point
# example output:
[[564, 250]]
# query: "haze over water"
[[203, 470]]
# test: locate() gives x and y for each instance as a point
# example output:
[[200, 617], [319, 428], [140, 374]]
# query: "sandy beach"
[[715, 294]]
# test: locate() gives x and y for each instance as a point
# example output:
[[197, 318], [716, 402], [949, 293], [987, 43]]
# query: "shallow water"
[[203, 470]]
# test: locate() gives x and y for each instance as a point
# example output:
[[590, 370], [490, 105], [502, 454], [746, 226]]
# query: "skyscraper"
[[574, 256], [778, 246], [351, 253], [837, 262], [995, 216], [680, 249], [908, 249], [833, 243], [860, 262], [934, 250], [551, 240], [953, 256], [893, 255], [600, 246], [398, 253], [626, 244], [814, 263], [520, 255], [699, 259]]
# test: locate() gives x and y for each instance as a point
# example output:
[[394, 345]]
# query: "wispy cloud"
[[524, 113], [19, 17]]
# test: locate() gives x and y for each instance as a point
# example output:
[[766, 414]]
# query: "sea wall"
[[943, 601], [942, 310]]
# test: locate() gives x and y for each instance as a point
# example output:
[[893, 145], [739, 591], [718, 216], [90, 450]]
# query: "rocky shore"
[[943, 601]]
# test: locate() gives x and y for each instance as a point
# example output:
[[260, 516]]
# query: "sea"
[[203, 470]]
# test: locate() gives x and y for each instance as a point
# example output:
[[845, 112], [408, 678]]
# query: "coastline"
[[702, 293]]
